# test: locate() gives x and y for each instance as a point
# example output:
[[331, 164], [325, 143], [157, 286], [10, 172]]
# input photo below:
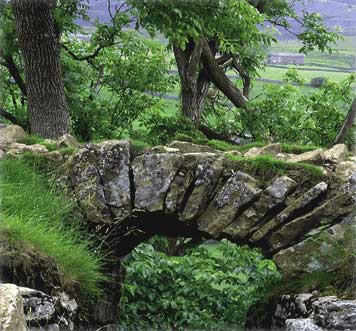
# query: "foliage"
[[162, 129], [285, 114], [210, 288], [36, 218], [123, 82]]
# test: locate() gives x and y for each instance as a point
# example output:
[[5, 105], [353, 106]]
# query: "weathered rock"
[[207, 171], [16, 148], [47, 313], [292, 211], [153, 175], [99, 175], [335, 314], [337, 153], [306, 312], [253, 152], [240, 190], [2, 154], [87, 187], [271, 149], [332, 210], [198, 176], [306, 324], [12, 316], [11, 133], [264, 208], [317, 156], [314, 253], [344, 170], [233, 152], [186, 147], [114, 168], [67, 140]]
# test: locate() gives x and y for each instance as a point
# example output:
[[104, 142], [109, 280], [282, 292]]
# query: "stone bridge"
[[195, 191]]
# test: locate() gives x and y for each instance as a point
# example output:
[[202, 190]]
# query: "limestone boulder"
[[316, 252], [316, 157], [306, 324], [67, 140], [153, 174], [336, 154], [270, 202], [206, 172], [113, 164], [44, 312], [11, 133], [329, 212], [239, 190], [344, 170], [295, 208], [271, 149], [335, 314], [17, 149], [12, 315], [191, 188], [99, 176]]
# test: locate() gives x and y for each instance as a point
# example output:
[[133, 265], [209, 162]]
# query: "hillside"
[[339, 13]]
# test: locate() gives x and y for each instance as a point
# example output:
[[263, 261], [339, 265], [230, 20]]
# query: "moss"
[[32, 140], [298, 149], [138, 146], [67, 150], [225, 146], [267, 166]]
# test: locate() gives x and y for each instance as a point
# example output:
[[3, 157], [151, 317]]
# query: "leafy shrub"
[[286, 114], [211, 286], [162, 129]]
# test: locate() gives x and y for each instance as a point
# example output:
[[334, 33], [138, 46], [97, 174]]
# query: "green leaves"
[[213, 285]]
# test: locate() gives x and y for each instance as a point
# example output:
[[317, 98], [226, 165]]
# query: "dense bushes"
[[210, 288]]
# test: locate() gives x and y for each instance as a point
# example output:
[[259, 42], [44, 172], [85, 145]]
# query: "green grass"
[[286, 148], [32, 140], [34, 217], [267, 164]]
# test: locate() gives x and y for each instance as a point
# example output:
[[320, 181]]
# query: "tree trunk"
[[39, 46], [348, 122], [194, 87]]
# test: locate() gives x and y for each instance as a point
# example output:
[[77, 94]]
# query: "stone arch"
[[190, 190]]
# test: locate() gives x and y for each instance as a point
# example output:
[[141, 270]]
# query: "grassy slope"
[[34, 216]]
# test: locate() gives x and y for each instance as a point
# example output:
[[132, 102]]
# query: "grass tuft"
[[269, 164], [32, 140], [36, 217]]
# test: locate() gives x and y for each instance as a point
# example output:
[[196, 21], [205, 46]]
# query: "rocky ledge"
[[306, 312], [23, 309]]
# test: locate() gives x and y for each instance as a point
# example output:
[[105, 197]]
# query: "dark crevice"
[[299, 212], [132, 187]]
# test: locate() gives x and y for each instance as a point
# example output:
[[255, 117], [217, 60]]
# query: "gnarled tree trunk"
[[39, 46], [194, 87]]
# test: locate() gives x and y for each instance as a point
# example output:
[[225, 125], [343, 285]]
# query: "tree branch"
[[348, 122], [8, 116], [219, 78], [10, 64]]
